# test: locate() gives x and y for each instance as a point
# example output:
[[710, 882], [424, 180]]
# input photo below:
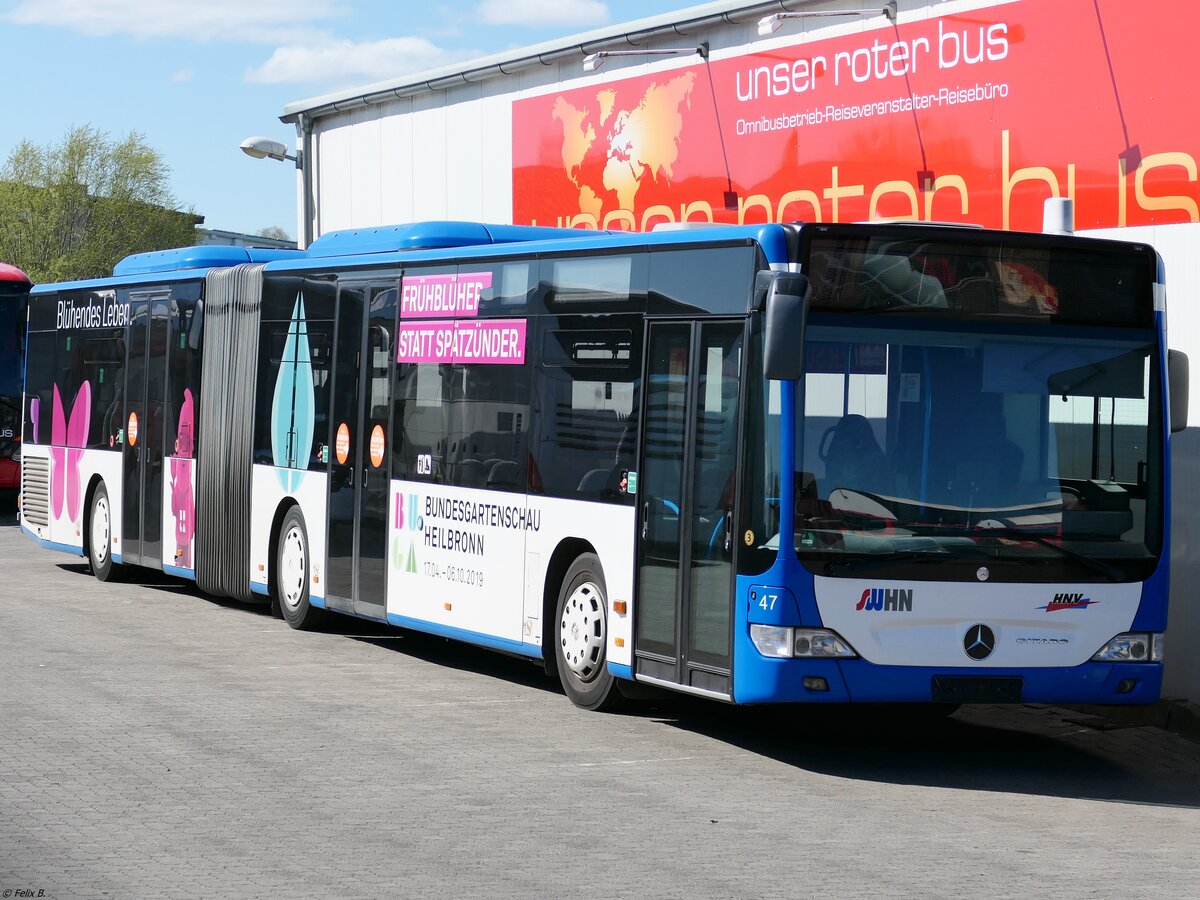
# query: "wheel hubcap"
[[293, 569], [581, 631], [100, 530]]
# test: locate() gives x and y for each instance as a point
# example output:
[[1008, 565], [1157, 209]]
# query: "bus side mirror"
[[1177, 383], [783, 340]]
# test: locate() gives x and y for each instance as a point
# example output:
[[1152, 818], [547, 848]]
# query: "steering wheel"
[[992, 522]]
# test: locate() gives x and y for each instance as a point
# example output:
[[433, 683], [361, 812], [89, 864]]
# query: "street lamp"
[[265, 148], [594, 61], [768, 25]]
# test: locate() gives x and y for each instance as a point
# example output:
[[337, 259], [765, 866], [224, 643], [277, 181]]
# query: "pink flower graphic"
[[67, 440], [182, 502]]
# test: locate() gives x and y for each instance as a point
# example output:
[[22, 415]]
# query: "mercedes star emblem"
[[979, 642]]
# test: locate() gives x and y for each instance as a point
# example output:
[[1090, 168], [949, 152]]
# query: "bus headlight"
[[1132, 646], [799, 643], [817, 643], [772, 640]]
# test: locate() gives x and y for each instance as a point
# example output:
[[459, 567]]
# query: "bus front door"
[[142, 436], [687, 475], [359, 459]]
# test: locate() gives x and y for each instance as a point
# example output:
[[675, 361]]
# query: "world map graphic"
[[609, 152]]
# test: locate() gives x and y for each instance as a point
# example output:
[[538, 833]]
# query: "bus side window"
[[587, 405], [418, 426], [489, 421]]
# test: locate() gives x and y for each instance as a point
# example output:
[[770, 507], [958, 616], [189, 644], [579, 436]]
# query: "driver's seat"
[[853, 458]]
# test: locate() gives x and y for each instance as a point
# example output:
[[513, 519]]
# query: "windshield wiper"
[[1112, 573]]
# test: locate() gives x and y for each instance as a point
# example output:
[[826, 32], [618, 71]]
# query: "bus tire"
[[100, 536], [291, 575], [581, 635]]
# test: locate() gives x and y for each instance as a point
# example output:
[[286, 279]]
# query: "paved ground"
[[157, 743]]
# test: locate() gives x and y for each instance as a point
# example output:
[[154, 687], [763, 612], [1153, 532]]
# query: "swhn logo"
[[886, 599]]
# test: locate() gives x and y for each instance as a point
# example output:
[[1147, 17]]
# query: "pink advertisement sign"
[[486, 341], [443, 296]]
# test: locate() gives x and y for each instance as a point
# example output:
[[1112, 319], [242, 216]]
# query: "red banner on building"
[[973, 117]]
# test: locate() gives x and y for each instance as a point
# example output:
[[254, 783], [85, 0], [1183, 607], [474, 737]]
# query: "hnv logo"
[[406, 517], [1068, 601]]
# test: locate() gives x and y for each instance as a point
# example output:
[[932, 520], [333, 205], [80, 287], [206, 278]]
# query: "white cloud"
[[184, 75], [347, 62], [543, 12], [259, 21]]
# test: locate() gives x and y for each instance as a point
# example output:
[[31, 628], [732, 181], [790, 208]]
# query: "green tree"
[[74, 209]]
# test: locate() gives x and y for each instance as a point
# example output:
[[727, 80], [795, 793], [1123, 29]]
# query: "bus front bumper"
[[859, 681]]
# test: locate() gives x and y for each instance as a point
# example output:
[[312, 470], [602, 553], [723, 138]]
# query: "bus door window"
[[155, 426], [715, 471], [345, 452], [660, 489], [379, 348], [128, 433]]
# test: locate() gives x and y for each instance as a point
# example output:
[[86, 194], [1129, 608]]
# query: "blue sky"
[[196, 77]]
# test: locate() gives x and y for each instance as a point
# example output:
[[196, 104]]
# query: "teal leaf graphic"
[[293, 414], [304, 422]]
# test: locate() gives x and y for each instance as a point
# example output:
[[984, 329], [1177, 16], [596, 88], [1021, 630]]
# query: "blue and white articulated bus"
[[770, 464]]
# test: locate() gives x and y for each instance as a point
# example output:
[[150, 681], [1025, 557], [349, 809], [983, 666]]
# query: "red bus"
[[14, 289]]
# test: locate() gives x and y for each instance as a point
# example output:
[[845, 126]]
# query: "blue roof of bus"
[[417, 242], [208, 256], [474, 241], [178, 264], [428, 236]]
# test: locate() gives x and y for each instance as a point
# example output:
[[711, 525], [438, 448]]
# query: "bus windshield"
[[1028, 446]]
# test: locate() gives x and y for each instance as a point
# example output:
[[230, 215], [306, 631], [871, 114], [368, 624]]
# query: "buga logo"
[[887, 600], [409, 514], [1068, 601]]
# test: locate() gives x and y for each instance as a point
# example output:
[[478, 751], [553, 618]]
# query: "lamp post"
[[266, 148], [768, 25], [594, 61]]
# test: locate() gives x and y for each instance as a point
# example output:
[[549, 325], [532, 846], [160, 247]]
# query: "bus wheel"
[[291, 572], [100, 536], [581, 633]]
